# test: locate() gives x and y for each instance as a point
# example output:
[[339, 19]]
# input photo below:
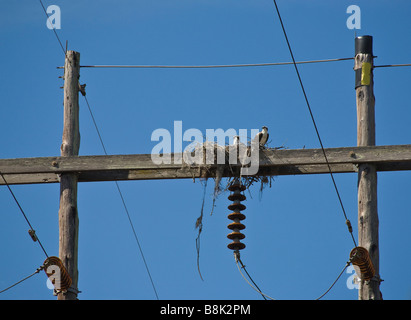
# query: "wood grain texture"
[[68, 214], [141, 167], [367, 180]]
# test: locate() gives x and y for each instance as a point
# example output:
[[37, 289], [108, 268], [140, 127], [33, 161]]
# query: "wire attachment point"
[[33, 235], [82, 89], [361, 259], [348, 223]]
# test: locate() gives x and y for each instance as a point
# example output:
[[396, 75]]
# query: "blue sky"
[[296, 239]]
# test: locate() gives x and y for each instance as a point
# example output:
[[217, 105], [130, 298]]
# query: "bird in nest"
[[262, 137]]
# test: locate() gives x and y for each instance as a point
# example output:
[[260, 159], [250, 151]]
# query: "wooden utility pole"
[[367, 173], [68, 214]]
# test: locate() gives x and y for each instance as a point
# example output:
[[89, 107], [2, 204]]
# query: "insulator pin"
[[361, 258], [348, 223]]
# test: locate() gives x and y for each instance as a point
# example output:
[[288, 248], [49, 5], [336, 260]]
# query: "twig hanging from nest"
[[199, 226]]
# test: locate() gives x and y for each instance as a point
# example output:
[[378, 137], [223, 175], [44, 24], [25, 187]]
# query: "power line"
[[393, 65], [123, 201], [54, 29], [255, 287], [338, 277], [31, 231], [211, 66], [15, 284], [313, 120]]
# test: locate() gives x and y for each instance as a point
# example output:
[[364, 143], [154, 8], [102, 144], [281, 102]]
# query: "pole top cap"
[[363, 44]]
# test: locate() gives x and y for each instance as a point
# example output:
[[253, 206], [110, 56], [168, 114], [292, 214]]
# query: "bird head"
[[265, 128]]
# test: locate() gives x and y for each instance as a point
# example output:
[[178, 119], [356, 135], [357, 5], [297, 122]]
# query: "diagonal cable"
[[31, 231], [123, 201], [54, 29], [313, 120], [24, 279]]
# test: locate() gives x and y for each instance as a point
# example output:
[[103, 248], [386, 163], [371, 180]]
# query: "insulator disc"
[[237, 206], [236, 225], [360, 257], [236, 246], [65, 280], [236, 196], [236, 215], [236, 186], [235, 235]]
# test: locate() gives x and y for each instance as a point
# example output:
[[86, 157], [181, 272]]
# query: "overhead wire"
[[54, 29], [268, 64], [24, 279], [31, 231], [123, 201], [313, 120], [335, 281], [211, 66], [319, 139], [393, 65], [255, 286]]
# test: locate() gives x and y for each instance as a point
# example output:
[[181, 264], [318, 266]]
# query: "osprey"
[[241, 150], [236, 140], [262, 136]]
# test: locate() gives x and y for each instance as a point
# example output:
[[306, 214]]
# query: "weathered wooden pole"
[[367, 173], [68, 214]]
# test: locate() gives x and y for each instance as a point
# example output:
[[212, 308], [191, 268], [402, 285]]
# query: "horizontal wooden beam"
[[141, 166]]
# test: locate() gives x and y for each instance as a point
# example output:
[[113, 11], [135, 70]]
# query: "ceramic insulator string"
[[236, 216]]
